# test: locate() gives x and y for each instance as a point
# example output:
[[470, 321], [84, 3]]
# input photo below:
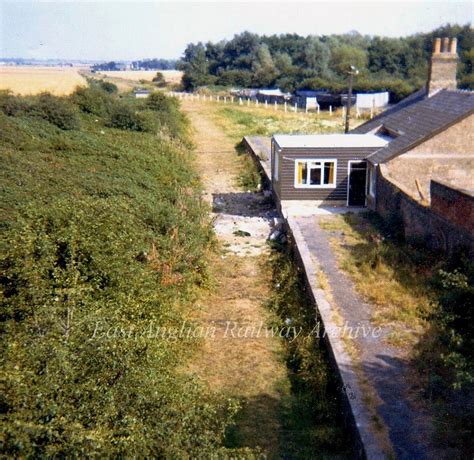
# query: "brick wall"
[[437, 227], [454, 204]]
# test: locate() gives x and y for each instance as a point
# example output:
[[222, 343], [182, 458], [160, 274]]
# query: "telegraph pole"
[[351, 73]]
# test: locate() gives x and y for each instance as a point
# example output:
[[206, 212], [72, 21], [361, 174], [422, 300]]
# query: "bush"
[[92, 100], [167, 114], [124, 116], [69, 273], [12, 105], [108, 87], [159, 80], [56, 110]]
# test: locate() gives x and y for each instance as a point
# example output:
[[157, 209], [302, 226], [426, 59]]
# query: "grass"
[[395, 279], [29, 80], [238, 121], [288, 402]]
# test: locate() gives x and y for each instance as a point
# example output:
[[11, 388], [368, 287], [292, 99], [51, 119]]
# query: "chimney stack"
[[443, 65]]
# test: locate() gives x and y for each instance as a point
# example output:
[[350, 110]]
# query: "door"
[[357, 182]]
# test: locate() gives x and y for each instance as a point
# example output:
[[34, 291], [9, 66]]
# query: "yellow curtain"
[[331, 173], [300, 173]]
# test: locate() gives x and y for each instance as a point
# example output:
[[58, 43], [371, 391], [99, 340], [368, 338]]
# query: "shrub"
[[55, 110], [159, 80], [108, 87], [167, 114], [69, 273], [12, 105], [124, 116], [92, 100]]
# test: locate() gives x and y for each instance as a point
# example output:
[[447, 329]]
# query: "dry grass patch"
[[392, 276], [236, 362]]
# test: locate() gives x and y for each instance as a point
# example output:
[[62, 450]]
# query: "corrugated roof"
[[295, 141], [416, 119]]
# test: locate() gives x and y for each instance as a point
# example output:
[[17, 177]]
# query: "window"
[[275, 161], [315, 173], [372, 179]]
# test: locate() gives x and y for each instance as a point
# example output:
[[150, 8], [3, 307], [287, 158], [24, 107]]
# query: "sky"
[[110, 30]]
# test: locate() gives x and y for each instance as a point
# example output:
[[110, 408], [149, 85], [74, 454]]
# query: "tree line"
[[145, 64], [292, 62]]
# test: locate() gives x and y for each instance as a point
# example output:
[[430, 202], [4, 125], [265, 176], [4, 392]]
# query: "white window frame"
[[276, 164], [372, 179], [319, 160]]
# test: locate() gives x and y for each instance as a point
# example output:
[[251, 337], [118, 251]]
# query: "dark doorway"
[[357, 183]]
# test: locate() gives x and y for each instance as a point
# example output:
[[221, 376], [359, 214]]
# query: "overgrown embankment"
[[104, 241]]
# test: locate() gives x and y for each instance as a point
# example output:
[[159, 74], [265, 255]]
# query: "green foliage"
[[103, 241], [311, 419], [454, 320], [159, 80], [108, 87], [289, 60], [92, 100], [167, 114], [57, 111], [123, 115], [11, 105]]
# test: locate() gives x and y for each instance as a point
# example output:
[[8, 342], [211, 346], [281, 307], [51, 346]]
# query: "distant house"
[[369, 102], [429, 135], [141, 93], [273, 95]]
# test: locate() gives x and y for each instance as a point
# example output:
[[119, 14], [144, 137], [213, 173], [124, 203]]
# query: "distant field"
[[36, 79], [171, 76]]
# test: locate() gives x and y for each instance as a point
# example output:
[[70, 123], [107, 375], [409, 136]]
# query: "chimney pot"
[[453, 45], [445, 48], [436, 45]]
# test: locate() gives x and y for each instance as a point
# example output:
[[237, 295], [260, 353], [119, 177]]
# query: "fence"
[[285, 107]]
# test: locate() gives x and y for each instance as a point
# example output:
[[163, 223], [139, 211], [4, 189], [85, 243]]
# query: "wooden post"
[[266, 104], [240, 101], [232, 99], [285, 107], [276, 106], [318, 108], [330, 110], [248, 102], [256, 102], [296, 107], [225, 99]]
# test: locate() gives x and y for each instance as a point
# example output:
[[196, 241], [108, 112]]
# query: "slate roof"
[[416, 119]]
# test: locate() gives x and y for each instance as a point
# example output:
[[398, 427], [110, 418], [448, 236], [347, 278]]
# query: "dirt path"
[[247, 367]]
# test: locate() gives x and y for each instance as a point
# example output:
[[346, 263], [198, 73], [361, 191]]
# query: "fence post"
[[266, 104], [330, 110], [232, 99], [256, 102], [276, 107], [240, 101], [296, 107], [248, 102], [318, 108], [306, 109], [225, 99], [285, 107]]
